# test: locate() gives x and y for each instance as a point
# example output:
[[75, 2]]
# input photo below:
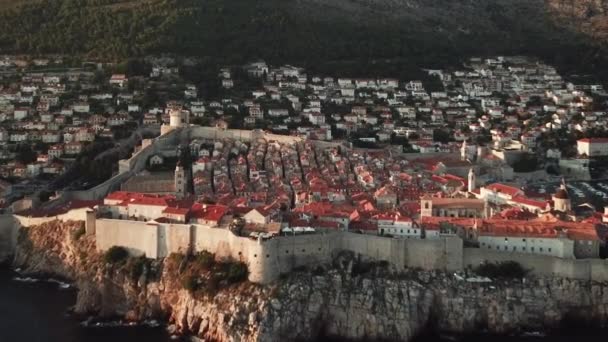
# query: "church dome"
[[561, 194]]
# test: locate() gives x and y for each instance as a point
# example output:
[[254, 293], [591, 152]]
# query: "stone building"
[[453, 207]]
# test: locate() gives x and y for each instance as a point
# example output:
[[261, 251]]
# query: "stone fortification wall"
[[174, 238], [269, 259], [100, 191], [72, 215], [376, 247], [282, 255], [200, 132], [584, 269], [139, 238], [444, 253], [126, 169]]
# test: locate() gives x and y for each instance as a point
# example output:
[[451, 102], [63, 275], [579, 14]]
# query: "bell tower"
[[180, 181], [472, 179], [426, 206], [463, 150]]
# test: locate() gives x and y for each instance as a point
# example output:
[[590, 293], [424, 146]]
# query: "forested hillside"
[[313, 32]]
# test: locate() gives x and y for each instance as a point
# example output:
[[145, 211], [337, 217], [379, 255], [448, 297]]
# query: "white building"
[[397, 225], [20, 113], [499, 193], [592, 147], [531, 244]]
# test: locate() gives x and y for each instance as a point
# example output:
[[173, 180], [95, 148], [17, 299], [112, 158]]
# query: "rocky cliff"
[[350, 298]]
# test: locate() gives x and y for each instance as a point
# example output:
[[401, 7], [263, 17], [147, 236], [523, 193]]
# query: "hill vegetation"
[[315, 33]]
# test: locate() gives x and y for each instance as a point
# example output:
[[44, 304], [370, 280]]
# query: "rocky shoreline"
[[342, 299]]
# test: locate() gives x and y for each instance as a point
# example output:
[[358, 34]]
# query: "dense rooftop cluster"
[[456, 153]]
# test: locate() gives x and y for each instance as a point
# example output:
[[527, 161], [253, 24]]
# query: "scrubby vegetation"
[[116, 255], [501, 270], [202, 274], [137, 266], [339, 36], [78, 232]]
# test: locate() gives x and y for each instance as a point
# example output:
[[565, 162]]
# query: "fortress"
[[267, 259]]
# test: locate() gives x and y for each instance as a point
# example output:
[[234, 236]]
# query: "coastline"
[[350, 297]]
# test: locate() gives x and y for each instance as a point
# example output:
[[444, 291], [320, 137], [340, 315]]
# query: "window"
[[541, 249], [549, 249], [523, 248], [524, 240], [267, 255], [506, 247], [514, 248], [532, 249]]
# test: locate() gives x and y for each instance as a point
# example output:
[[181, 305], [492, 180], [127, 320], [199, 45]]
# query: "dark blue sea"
[[37, 311]]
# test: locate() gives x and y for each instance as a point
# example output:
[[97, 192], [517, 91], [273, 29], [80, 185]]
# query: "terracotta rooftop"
[[505, 189]]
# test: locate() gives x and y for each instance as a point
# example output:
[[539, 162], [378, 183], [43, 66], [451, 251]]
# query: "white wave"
[[61, 284], [90, 323], [26, 279]]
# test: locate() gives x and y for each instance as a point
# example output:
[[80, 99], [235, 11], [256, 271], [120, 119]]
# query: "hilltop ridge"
[[304, 30]]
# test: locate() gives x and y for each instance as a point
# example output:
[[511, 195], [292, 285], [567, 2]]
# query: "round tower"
[[175, 118]]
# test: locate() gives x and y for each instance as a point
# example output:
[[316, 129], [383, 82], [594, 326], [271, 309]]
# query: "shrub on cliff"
[[504, 270], [237, 272], [116, 255], [190, 283], [136, 266], [78, 233], [205, 260]]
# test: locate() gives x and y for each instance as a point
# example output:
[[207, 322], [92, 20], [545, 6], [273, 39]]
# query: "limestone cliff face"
[[342, 300]]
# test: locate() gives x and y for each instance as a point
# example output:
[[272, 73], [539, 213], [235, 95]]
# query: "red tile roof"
[[209, 212], [529, 202], [594, 140], [505, 189]]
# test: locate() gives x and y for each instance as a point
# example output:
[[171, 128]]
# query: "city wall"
[[542, 265], [72, 215], [139, 238], [267, 260], [200, 132], [126, 169]]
